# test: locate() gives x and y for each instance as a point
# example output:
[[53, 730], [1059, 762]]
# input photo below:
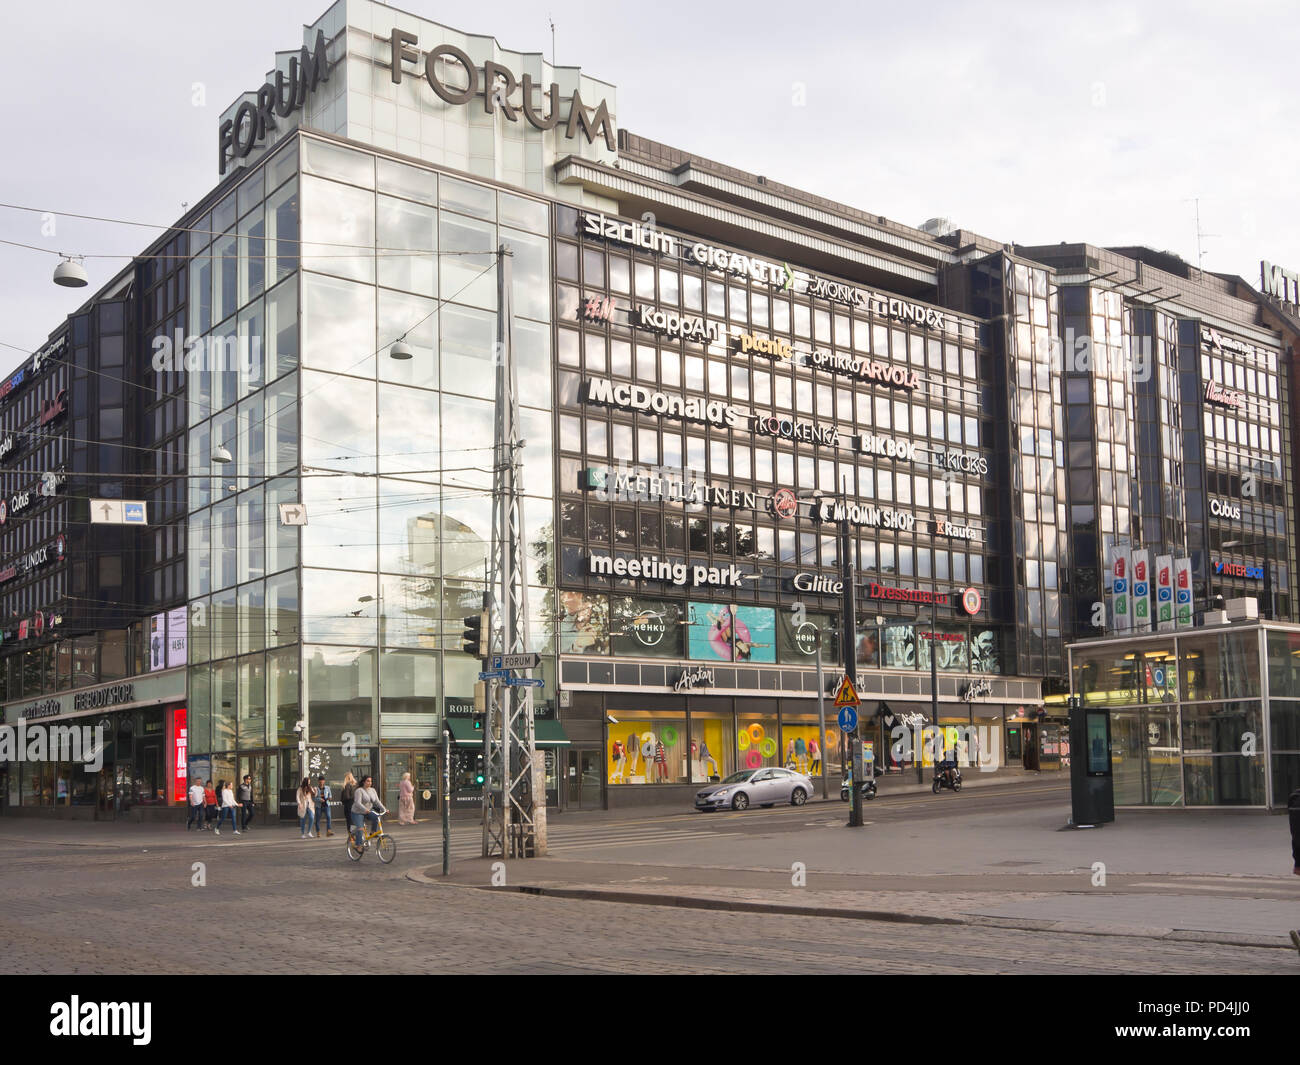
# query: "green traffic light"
[[478, 779]]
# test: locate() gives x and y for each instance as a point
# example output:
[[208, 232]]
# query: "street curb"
[[695, 902]]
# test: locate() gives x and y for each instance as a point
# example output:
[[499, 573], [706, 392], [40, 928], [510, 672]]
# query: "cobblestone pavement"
[[269, 902]]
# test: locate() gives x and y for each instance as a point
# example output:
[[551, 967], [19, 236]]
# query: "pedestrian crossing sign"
[[846, 694]]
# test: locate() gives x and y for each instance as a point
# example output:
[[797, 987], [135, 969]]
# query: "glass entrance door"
[[427, 782], [395, 764], [582, 775]]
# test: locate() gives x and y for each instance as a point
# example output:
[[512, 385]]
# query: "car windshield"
[[739, 778]]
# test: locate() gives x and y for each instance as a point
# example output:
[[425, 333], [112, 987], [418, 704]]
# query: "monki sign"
[[497, 84]]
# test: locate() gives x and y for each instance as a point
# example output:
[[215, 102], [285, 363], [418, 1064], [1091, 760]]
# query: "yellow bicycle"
[[385, 845]]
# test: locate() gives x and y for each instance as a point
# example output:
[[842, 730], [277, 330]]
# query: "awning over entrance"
[[546, 732]]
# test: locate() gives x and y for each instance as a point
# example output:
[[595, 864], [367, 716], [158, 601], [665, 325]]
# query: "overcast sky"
[[1031, 122]]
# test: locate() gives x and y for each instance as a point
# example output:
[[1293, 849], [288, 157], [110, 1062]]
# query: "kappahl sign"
[[497, 84]]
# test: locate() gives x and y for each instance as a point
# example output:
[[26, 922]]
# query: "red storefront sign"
[[180, 750]]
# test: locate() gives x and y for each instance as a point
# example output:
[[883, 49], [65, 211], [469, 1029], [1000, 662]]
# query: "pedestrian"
[[1293, 811], [323, 796], [209, 804], [406, 801], [245, 797], [306, 809], [196, 805], [228, 806], [348, 795]]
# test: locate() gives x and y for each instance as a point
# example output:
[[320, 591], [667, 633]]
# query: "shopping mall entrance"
[[422, 764], [583, 779]]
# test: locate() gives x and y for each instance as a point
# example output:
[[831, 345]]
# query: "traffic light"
[[478, 770], [472, 638], [478, 629]]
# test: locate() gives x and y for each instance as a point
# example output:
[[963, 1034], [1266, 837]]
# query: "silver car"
[[755, 787]]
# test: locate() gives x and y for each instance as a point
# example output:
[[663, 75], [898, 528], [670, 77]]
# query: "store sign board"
[[1236, 569], [147, 688], [816, 584], [632, 234], [1223, 344], [895, 594], [1118, 564], [497, 85], [1282, 284], [955, 530], [678, 574], [282, 96], [180, 751], [885, 447], [1219, 396], [601, 391], [693, 677], [883, 306], [868, 515], [959, 461], [1142, 589], [1224, 508]]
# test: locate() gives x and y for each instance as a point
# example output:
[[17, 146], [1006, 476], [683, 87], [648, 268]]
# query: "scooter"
[[946, 775], [868, 788]]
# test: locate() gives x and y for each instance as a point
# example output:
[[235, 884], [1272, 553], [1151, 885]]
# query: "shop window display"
[[802, 748], [646, 748], [712, 747], [758, 742]]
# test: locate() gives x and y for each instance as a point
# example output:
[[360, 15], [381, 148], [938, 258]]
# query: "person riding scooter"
[[947, 775]]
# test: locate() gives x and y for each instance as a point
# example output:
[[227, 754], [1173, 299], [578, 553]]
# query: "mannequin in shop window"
[[661, 761], [619, 754]]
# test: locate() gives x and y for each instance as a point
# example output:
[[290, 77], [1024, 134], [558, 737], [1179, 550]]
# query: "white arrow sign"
[[293, 514]]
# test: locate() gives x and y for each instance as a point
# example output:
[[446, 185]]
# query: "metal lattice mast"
[[510, 815]]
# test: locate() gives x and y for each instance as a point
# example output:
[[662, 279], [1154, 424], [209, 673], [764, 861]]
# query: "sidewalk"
[[1217, 876]]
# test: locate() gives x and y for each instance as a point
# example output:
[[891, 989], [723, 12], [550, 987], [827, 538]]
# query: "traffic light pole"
[[849, 627], [514, 808]]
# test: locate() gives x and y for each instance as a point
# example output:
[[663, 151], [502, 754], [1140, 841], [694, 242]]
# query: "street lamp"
[[1268, 570]]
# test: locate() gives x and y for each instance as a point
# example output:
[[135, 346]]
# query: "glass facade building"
[[716, 373]]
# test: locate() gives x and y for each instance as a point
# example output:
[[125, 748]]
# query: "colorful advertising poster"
[[799, 635], [723, 633], [1183, 603], [157, 642], [645, 628], [1164, 584], [1142, 590], [180, 754], [178, 648], [1117, 563], [584, 624]]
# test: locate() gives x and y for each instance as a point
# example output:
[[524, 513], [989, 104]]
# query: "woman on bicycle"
[[366, 807]]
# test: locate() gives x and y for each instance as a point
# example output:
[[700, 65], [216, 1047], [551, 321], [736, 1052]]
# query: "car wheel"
[[935, 787], [798, 797], [740, 801]]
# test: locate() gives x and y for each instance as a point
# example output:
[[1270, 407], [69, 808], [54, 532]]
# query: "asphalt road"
[[162, 901]]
